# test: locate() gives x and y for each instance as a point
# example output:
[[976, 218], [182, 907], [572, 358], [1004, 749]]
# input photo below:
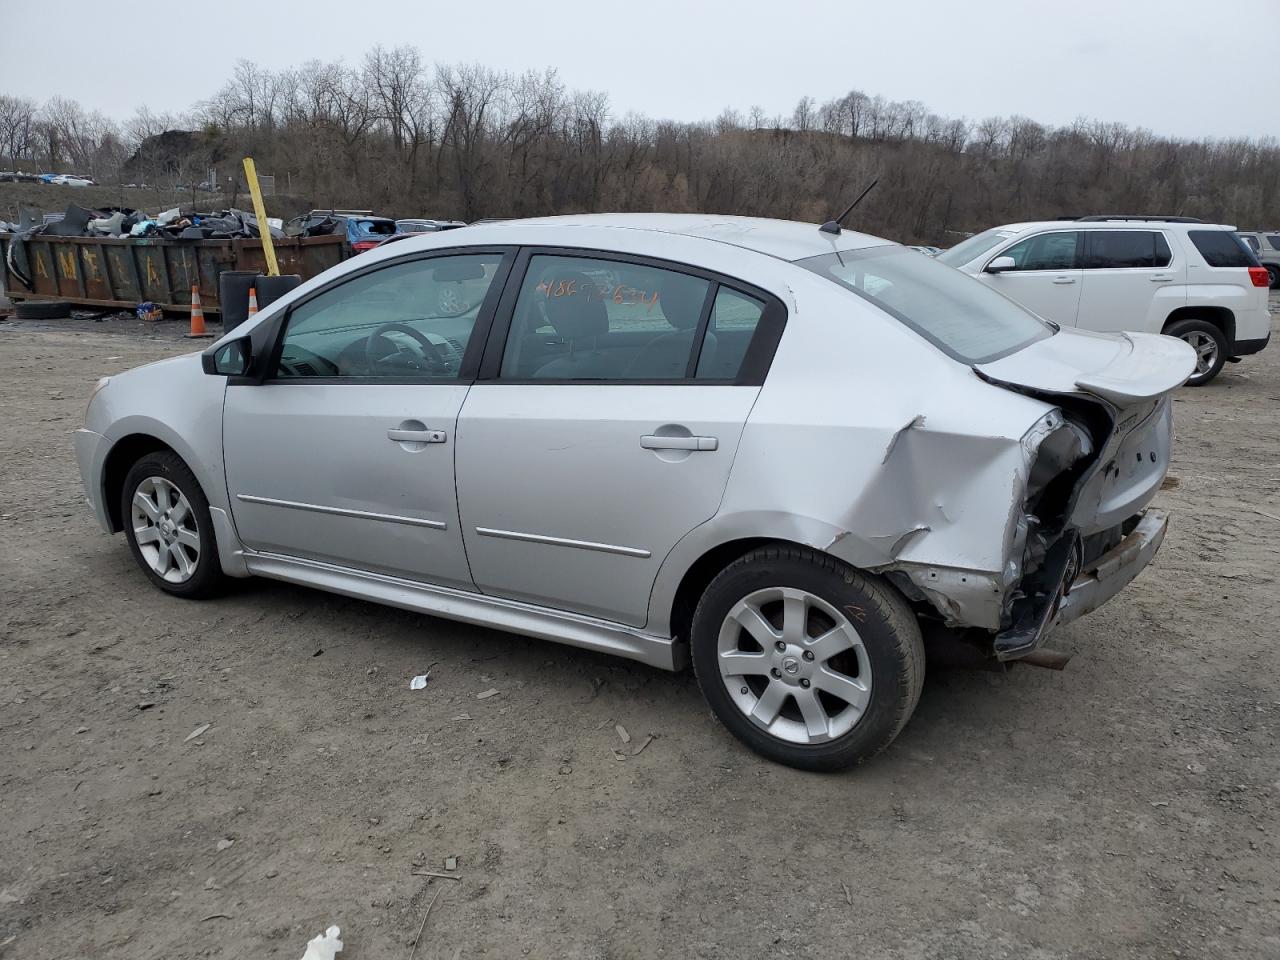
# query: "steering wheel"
[[434, 357]]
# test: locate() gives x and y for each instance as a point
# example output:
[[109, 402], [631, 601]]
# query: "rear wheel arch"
[[123, 455], [720, 557], [1220, 317]]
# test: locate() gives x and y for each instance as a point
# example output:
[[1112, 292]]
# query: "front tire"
[[167, 522], [1208, 342], [806, 660]]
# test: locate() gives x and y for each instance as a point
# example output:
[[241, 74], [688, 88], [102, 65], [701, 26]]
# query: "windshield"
[[953, 311], [975, 246]]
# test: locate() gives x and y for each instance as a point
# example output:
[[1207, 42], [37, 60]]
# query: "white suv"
[[1191, 280]]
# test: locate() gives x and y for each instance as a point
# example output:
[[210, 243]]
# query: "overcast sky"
[[1181, 67]]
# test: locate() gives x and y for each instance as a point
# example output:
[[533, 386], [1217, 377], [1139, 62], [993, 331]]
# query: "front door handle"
[[652, 442], [417, 436], [1064, 279]]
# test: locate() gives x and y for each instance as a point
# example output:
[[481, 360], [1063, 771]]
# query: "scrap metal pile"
[[179, 223]]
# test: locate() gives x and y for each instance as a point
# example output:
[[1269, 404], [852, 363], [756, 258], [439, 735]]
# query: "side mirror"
[[229, 360], [1001, 264]]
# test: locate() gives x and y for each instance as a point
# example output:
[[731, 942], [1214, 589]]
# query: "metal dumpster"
[[111, 272]]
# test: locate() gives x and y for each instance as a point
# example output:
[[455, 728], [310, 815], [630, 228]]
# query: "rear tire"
[[807, 661], [1274, 273], [41, 309], [167, 523], [1209, 343]]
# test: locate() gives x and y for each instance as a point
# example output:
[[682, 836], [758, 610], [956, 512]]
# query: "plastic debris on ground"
[[324, 946], [419, 682]]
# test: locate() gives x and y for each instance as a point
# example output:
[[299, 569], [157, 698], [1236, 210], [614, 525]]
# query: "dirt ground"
[[1124, 808]]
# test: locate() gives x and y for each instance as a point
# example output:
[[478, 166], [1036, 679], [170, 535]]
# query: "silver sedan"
[[780, 452]]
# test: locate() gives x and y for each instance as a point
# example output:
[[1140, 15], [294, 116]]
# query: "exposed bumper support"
[[1091, 588], [1115, 569]]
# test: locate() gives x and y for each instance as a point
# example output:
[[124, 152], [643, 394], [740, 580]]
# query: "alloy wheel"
[[794, 665], [1206, 348], [164, 527]]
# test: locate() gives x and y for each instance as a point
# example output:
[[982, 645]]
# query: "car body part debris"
[[198, 731]]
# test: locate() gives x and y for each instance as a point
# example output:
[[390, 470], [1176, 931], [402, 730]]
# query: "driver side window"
[[407, 321]]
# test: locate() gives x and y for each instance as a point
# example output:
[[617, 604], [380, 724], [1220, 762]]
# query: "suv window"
[[1046, 251], [973, 247], [1274, 240], [968, 321], [408, 321], [579, 318], [1253, 243], [1222, 248], [1112, 249]]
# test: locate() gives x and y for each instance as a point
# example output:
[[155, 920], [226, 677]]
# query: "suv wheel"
[[1208, 343], [806, 660], [167, 522], [1274, 273]]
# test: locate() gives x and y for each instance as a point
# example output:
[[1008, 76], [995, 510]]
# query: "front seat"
[[579, 317], [667, 357]]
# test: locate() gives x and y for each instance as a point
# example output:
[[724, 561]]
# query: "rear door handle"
[[1064, 279], [417, 436], [652, 442], [1160, 278]]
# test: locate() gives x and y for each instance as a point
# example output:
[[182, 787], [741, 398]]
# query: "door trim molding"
[[343, 512], [496, 613], [637, 552]]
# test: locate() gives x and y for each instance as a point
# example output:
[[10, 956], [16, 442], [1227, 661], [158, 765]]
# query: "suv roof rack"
[[1117, 216]]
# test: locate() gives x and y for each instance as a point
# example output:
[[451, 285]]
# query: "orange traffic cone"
[[197, 317], [253, 301]]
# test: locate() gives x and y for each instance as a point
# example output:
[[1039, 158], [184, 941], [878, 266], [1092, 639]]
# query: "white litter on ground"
[[324, 946]]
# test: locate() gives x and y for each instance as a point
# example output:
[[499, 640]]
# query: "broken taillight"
[[1259, 276]]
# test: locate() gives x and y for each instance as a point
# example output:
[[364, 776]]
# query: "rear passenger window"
[[1047, 251], [1253, 243], [1274, 240], [734, 318], [1221, 248], [584, 319], [1119, 249]]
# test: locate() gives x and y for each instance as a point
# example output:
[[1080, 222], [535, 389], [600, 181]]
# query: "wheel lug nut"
[[804, 683], [780, 646], [808, 654], [744, 690], [776, 673]]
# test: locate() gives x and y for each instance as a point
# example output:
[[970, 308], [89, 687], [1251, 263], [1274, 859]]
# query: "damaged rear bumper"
[[1094, 585]]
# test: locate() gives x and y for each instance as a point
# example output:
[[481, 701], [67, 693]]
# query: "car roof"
[[784, 239]]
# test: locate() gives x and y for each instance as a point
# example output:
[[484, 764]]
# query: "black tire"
[[885, 624], [206, 578], [42, 309], [1193, 331], [1274, 273]]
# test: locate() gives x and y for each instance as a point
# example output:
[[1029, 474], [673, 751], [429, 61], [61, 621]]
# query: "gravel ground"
[[1124, 808]]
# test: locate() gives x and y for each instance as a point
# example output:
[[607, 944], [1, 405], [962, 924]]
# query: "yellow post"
[[260, 211]]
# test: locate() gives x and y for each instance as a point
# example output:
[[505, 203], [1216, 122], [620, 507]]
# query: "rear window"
[[953, 311], [974, 247], [1111, 249], [1221, 248], [373, 228], [1274, 240]]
